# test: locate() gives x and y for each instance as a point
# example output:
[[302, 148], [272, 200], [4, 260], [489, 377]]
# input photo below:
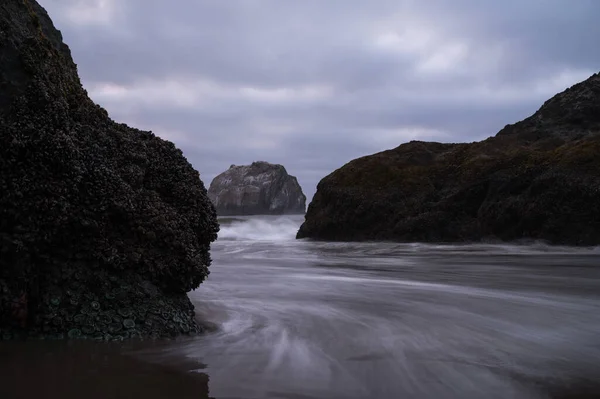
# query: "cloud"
[[91, 12], [313, 84]]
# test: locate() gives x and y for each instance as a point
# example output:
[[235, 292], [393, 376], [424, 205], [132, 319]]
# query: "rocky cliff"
[[537, 179], [261, 188], [103, 228]]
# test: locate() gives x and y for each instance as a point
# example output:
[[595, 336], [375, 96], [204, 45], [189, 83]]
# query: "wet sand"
[[91, 370]]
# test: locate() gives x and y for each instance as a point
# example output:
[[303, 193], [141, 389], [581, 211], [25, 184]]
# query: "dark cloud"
[[313, 84]]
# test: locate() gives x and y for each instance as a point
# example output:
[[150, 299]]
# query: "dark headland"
[[261, 188], [103, 228], [537, 179]]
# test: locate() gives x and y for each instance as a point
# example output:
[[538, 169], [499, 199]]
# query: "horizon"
[[309, 87]]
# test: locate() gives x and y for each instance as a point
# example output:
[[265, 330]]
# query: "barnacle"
[[103, 317], [128, 323], [115, 327], [88, 329], [155, 310]]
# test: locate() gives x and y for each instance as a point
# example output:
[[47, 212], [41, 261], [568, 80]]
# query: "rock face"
[[103, 228], [536, 179], [261, 188]]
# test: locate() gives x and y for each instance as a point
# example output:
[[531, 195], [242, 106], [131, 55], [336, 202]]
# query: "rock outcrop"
[[103, 228], [537, 179], [261, 188]]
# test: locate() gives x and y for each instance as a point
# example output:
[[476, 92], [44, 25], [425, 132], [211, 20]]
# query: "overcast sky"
[[312, 84]]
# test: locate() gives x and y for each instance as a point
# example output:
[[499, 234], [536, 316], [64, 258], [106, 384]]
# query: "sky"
[[313, 84]]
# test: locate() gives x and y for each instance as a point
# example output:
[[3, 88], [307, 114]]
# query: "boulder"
[[103, 228], [538, 179], [261, 188]]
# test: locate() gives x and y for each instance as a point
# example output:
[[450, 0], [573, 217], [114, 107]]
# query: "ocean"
[[296, 319]]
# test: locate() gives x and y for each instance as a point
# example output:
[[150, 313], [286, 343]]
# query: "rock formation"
[[261, 188], [537, 179], [103, 228]]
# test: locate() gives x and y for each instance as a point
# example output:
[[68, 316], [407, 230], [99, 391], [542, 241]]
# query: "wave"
[[282, 228]]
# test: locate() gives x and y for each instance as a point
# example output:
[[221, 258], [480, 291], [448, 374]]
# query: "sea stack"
[[537, 179], [261, 188], [103, 228]]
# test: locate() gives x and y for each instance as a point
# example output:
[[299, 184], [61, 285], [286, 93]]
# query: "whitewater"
[[301, 319]]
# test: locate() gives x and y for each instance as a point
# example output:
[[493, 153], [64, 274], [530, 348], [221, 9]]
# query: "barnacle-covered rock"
[[99, 222]]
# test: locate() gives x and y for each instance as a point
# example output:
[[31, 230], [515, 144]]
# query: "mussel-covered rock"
[[101, 225]]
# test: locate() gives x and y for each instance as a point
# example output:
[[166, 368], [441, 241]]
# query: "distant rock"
[[261, 188], [103, 228], [537, 179]]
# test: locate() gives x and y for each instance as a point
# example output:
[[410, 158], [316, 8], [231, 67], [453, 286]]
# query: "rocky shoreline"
[[538, 179]]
